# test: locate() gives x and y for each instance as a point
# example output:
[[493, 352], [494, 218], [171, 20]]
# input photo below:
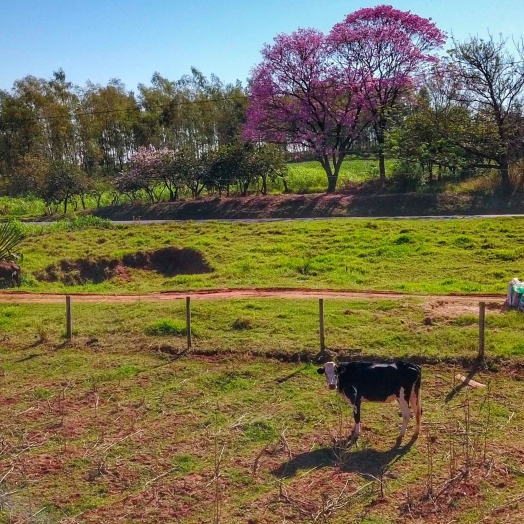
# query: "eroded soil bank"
[[316, 206]]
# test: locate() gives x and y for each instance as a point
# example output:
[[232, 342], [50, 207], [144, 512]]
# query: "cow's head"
[[331, 371]]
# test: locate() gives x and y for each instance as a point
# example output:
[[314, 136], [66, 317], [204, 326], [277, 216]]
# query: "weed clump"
[[242, 323], [42, 332], [164, 327]]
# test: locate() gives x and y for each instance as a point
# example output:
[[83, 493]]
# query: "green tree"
[[62, 183], [490, 84]]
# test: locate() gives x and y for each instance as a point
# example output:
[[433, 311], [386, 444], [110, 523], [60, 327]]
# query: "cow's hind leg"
[[417, 408], [404, 408]]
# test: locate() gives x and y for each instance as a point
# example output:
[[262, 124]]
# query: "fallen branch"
[[469, 382], [108, 447], [159, 477]]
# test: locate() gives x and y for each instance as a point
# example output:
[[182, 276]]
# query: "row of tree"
[[376, 80], [53, 131]]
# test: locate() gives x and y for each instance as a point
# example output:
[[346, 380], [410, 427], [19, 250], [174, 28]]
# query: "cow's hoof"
[[352, 440]]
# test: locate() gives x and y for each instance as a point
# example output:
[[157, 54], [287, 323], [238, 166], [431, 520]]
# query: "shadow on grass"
[[28, 357], [365, 462], [281, 380], [35, 344]]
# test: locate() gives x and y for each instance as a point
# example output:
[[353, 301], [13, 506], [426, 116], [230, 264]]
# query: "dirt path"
[[215, 294]]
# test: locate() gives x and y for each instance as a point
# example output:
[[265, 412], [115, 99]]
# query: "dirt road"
[[215, 294]]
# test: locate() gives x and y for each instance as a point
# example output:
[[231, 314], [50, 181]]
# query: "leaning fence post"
[[69, 319], [482, 318], [188, 321], [321, 319]]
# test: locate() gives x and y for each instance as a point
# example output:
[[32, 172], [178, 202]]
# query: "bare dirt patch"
[[168, 261], [449, 308]]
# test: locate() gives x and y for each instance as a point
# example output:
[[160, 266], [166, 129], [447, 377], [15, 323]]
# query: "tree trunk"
[[382, 165], [331, 176], [332, 183], [380, 134], [504, 174]]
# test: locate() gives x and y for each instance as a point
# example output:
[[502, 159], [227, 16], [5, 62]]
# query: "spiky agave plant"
[[10, 238]]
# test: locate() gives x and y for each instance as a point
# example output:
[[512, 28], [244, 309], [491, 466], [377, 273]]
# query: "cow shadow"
[[366, 462]]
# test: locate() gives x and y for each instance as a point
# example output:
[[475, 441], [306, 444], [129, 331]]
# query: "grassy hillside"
[[124, 424], [429, 256]]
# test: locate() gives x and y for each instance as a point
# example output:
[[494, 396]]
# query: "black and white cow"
[[358, 381]]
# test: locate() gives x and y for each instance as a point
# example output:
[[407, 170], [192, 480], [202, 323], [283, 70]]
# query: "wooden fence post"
[[482, 318], [321, 319], [69, 319], [188, 321]]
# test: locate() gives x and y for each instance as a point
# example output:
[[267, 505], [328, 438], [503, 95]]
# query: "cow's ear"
[[321, 371], [340, 370]]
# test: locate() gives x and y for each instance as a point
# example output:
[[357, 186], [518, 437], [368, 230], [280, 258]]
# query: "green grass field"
[[310, 177], [428, 256], [373, 328], [124, 426]]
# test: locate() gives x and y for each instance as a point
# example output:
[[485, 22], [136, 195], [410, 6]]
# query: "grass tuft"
[[166, 326]]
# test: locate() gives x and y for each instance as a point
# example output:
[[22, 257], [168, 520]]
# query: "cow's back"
[[378, 382]]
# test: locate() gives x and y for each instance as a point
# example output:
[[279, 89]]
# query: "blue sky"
[[101, 39]]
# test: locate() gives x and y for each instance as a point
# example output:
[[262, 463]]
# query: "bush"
[[403, 180], [166, 326]]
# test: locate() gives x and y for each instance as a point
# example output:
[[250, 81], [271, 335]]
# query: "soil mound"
[[84, 270], [169, 261]]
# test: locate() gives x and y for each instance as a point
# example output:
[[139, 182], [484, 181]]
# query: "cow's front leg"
[[356, 416], [352, 397]]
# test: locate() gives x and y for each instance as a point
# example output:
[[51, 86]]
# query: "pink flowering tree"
[[148, 167], [389, 49], [301, 98], [140, 175]]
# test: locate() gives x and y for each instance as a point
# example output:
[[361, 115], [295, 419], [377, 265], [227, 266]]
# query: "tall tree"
[[388, 48], [490, 84], [107, 121], [193, 112], [300, 97]]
